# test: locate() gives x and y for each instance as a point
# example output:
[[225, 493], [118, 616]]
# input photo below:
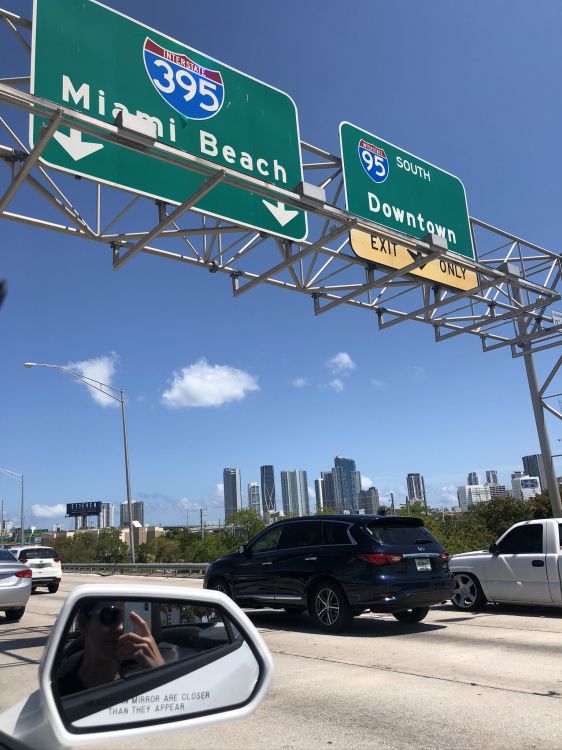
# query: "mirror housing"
[[494, 549], [241, 549], [224, 676]]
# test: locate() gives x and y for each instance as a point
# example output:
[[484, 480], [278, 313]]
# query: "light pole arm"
[[90, 382]]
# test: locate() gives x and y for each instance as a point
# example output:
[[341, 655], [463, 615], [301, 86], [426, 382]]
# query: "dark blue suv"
[[338, 566]]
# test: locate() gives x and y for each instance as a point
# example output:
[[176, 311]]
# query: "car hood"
[[225, 558], [470, 554]]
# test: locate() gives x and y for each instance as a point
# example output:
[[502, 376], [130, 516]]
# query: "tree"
[[246, 525], [498, 514], [79, 548], [109, 547], [325, 511], [166, 549]]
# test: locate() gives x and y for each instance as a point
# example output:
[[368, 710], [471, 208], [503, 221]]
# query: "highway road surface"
[[457, 680]]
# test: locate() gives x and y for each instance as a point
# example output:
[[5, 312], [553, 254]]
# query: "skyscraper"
[[526, 487], [349, 480], [319, 492], [332, 492], [416, 488], [138, 512], [472, 478], [107, 516], [534, 467], [469, 494], [369, 500], [232, 492], [294, 491], [267, 489], [491, 476], [254, 498]]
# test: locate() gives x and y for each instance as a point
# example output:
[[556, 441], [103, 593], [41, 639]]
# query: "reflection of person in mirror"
[[106, 648]]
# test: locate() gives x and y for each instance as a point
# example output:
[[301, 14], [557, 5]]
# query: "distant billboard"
[[83, 509]]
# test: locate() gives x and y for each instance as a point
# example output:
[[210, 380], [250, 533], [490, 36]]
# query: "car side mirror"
[[127, 661], [242, 549], [494, 549]]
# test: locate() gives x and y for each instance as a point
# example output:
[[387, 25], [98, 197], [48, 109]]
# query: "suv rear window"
[[35, 554], [335, 532], [401, 535]]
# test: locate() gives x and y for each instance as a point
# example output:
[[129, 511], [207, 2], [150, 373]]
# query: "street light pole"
[[103, 388], [19, 477]]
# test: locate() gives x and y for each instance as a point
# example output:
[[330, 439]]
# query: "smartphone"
[[143, 609]]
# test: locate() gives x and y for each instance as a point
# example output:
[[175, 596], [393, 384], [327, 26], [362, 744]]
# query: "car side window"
[[523, 540], [301, 534], [336, 533], [268, 541]]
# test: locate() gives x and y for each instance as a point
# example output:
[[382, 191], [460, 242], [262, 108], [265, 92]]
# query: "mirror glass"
[[132, 662]]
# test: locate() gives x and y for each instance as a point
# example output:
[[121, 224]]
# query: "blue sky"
[[212, 381]]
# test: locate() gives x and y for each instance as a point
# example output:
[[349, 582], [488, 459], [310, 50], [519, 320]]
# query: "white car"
[[45, 565], [15, 586]]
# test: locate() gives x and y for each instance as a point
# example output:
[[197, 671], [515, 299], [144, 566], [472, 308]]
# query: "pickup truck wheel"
[[416, 614], [467, 594]]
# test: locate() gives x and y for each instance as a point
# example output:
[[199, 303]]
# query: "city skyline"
[[213, 379]]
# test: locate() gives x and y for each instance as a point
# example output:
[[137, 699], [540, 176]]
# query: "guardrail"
[[151, 569]]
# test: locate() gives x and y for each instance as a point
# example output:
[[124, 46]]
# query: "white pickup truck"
[[523, 567]]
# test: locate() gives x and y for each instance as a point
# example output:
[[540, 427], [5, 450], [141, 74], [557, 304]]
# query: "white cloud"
[[448, 494], [219, 490], [300, 382], [101, 369], [337, 384], [366, 482], [48, 511], [341, 363], [377, 383], [202, 384], [184, 504]]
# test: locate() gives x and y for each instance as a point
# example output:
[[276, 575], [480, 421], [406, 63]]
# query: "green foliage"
[[246, 525], [325, 511], [211, 547], [497, 515], [165, 549], [109, 547], [79, 548]]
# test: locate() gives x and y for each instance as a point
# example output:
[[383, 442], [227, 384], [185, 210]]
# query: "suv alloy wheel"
[[329, 607]]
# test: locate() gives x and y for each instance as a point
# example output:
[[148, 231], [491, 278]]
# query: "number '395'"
[[190, 83]]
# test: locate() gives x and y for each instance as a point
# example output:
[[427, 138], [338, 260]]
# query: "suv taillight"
[[24, 573], [378, 558], [56, 559], [445, 556]]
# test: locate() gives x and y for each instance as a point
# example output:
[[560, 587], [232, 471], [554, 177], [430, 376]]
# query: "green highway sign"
[[400, 191], [96, 61]]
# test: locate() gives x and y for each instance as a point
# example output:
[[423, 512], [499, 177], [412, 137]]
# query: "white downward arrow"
[[282, 214], [75, 146]]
